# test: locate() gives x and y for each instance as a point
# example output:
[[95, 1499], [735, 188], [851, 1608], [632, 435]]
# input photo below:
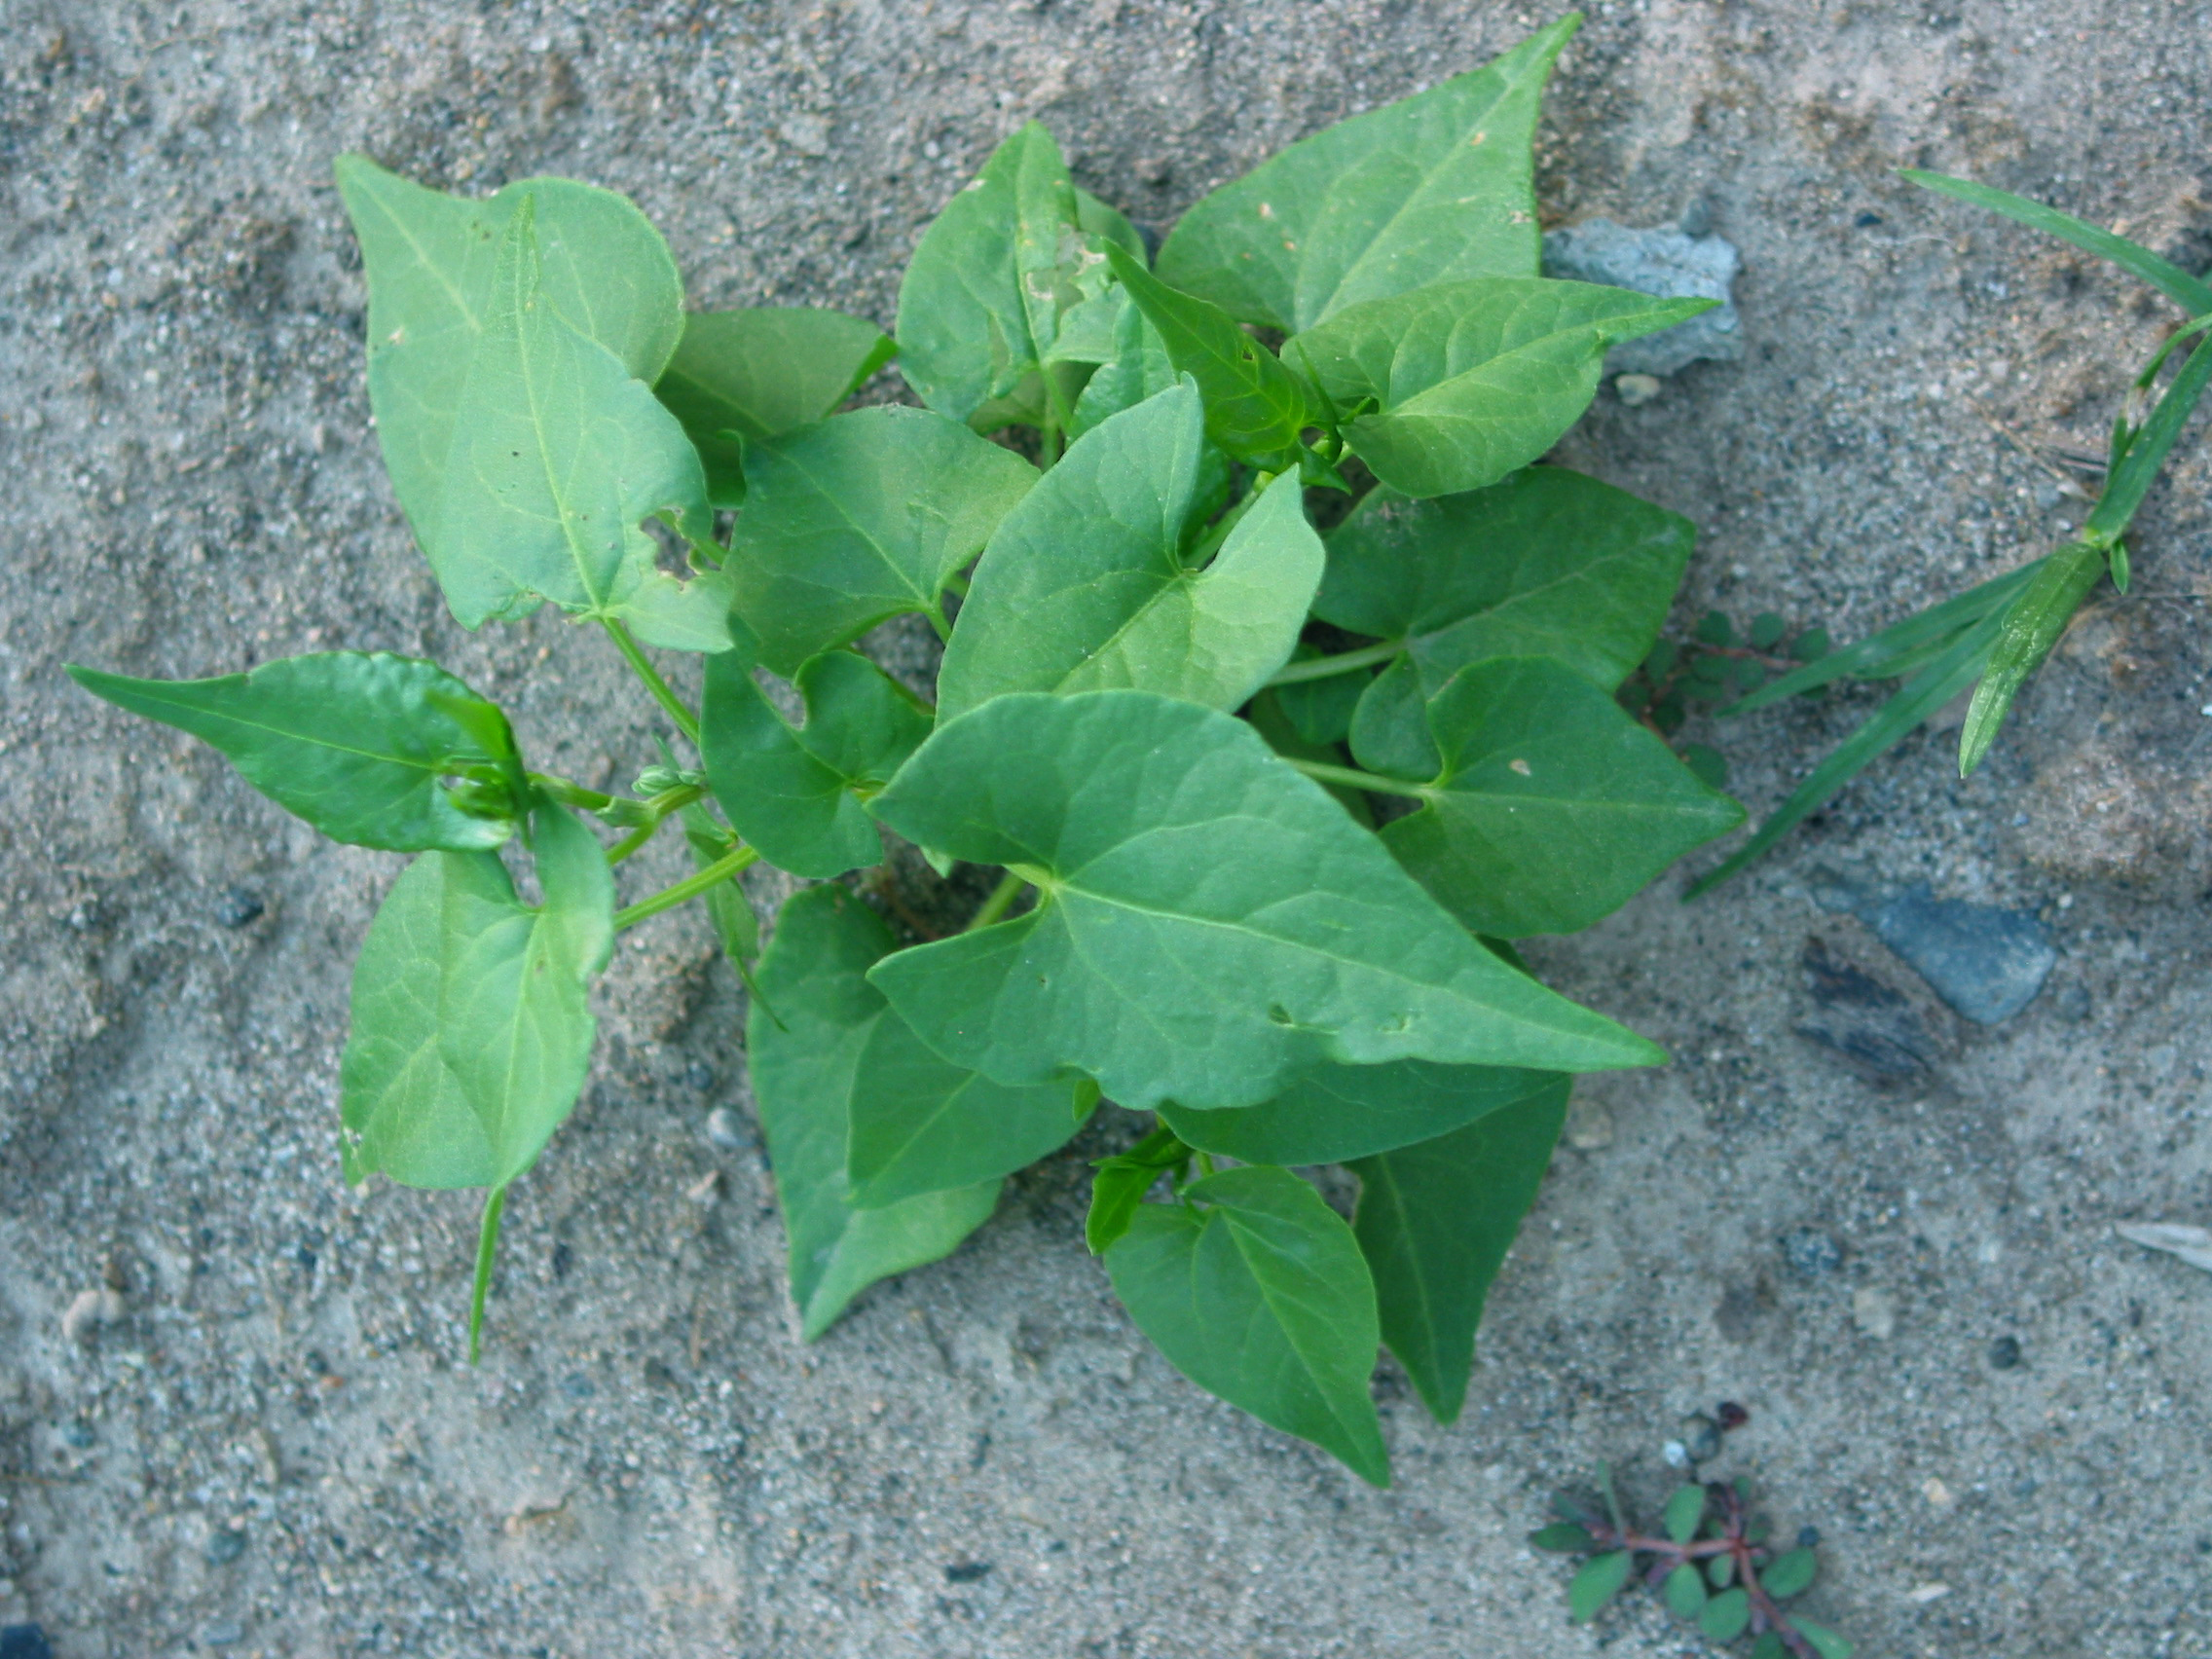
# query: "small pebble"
[[1808, 1537], [1810, 1253], [1730, 1416], [1589, 1126], [91, 1309], [967, 1571], [2005, 1353], [1920, 1594], [238, 907], [1937, 1492], [225, 1546], [700, 1076], [223, 1635], [1701, 1437], [706, 1189], [724, 1131], [1875, 1313], [25, 1642], [1677, 1454], [1636, 391], [1155, 171]]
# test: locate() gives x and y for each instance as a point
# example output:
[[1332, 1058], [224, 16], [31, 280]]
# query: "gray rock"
[[225, 1546], [1663, 261], [1985, 962], [1810, 1253], [1869, 1026]]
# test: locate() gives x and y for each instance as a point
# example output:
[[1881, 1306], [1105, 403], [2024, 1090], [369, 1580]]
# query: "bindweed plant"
[[1266, 809], [1711, 1558], [1995, 636]]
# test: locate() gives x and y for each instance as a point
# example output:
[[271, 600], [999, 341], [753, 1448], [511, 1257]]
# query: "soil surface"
[[255, 1436]]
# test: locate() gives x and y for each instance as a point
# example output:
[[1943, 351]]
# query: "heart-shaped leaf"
[[1435, 1220], [803, 1059], [761, 371], [1553, 807], [1470, 381], [1212, 925], [1084, 586], [355, 743], [861, 518], [1254, 1289], [1434, 188]]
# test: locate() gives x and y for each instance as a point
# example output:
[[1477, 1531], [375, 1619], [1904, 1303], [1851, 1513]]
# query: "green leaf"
[[559, 455], [1470, 381], [1825, 1643], [1084, 587], [429, 260], [1766, 631], [1139, 368], [1122, 1182], [1335, 1114], [1563, 1537], [1265, 713], [1553, 807], [1724, 1617], [1435, 1221], [2145, 452], [1434, 188], [357, 743], [982, 298], [1685, 1592], [761, 371], [795, 792], [1768, 1645], [1944, 677], [861, 518], [1720, 1571], [2191, 294], [1685, 1512], [1789, 1574], [1211, 924], [802, 1083], [472, 1034], [1548, 563], [1597, 1582], [1707, 764], [922, 1124], [1321, 710], [1715, 629], [727, 906], [1254, 1289], [1255, 408]]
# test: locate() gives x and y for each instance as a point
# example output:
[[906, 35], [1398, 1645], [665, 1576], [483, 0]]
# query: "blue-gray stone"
[[25, 1642], [1987, 963], [1663, 261]]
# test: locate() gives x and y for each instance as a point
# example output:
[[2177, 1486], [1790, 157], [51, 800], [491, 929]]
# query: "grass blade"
[[2032, 625], [1920, 696], [2131, 478], [2178, 285], [1899, 648]]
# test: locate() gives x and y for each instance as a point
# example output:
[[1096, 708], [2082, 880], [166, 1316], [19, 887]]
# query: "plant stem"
[[660, 806], [690, 887], [998, 904], [1322, 773], [487, 1246], [686, 720], [1345, 662]]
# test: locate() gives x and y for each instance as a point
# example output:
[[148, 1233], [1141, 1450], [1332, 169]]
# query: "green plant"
[[1194, 913], [1994, 635], [1710, 1559]]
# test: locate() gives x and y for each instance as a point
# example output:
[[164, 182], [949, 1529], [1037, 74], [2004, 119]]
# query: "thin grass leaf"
[[2032, 625], [2146, 453], [2178, 285], [1898, 650], [1922, 694]]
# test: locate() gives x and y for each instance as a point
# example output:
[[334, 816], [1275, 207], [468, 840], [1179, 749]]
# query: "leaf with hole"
[[804, 1066], [1254, 1289], [739, 375], [358, 744], [1211, 924], [1084, 586]]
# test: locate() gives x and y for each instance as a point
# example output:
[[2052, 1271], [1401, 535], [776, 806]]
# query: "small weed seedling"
[[1993, 637], [1710, 1559], [1265, 812]]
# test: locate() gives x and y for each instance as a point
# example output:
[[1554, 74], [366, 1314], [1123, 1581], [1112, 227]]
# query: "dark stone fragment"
[[1810, 1253], [1701, 1437], [238, 906], [2005, 1353], [700, 1076], [1987, 963], [1869, 1026], [25, 1642], [967, 1571], [1808, 1537], [1867, 221], [225, 1546], [1731, 1415]]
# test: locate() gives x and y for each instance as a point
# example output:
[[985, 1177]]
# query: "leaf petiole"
[[1345, 776], [686, 720], [999, 903], [487, 1246], [658, 810], [1344, 662], [689, 888]]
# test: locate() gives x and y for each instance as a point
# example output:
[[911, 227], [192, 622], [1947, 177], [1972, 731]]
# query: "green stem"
[[659, 807], [1344, 662], [487, 1246], [686, 720], [1322, 773], [689, 888], [998, 904]]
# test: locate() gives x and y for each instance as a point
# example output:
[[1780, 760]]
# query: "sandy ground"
[[273, 1449]]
